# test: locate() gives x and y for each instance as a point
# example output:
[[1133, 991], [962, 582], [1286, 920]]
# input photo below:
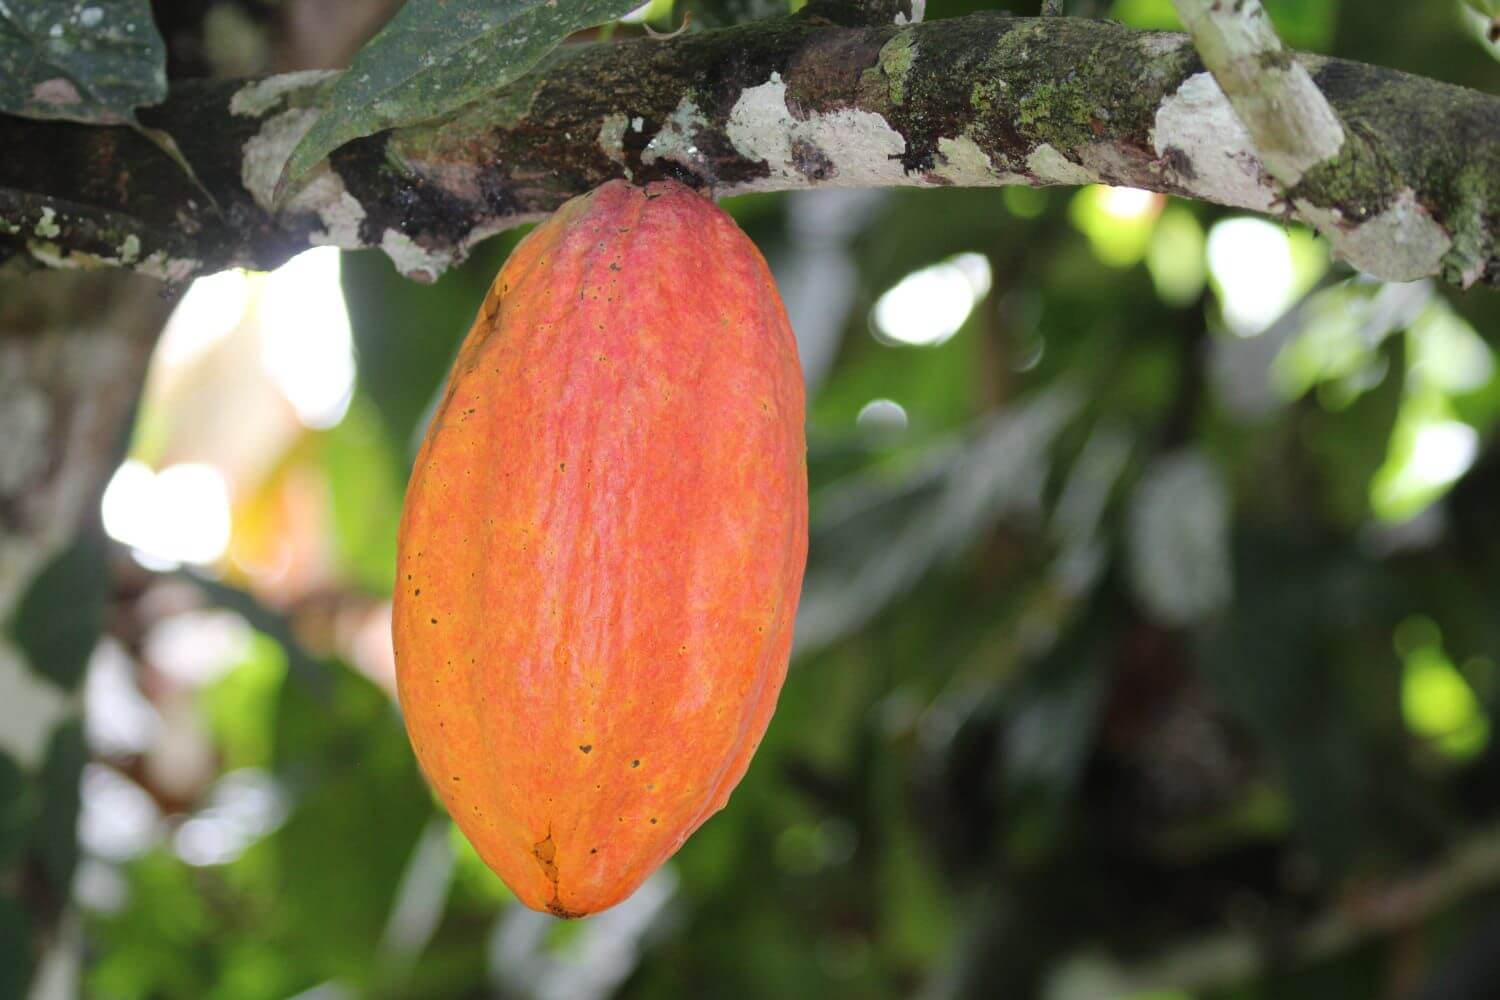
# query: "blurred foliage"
[[1148, 646]]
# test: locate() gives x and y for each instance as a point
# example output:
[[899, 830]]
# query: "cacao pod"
[[603, 543]]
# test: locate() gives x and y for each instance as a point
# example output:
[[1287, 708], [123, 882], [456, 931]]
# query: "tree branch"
[[1289, 119], [983, 100], [1295, 131]]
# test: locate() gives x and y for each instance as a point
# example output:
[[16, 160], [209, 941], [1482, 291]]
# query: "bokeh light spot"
[[927, 307], [179, 515]]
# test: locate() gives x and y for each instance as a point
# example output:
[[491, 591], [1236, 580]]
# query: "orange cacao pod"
[[603, 543]]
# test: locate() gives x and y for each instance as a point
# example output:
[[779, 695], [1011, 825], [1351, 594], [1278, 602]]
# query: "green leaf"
[[15, 948], [435, 56], [92, 62], [1482, 19], [1264, 660], [17, 808], [55, 834], [58, 619]]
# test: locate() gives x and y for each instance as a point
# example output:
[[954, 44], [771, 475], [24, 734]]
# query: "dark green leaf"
[[1263, 661], [93, 62], [16, 805], [58, 619], [438, 55], [15, 948], [55, 835]]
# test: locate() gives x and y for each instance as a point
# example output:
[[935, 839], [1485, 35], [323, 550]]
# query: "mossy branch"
[[794, 102]]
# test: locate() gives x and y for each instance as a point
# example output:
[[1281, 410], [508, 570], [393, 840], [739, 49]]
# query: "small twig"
[[1293, 126]]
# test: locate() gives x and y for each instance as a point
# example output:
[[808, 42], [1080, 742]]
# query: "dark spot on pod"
[[434, 621], [635, 763], [585, 747], [653, 820]]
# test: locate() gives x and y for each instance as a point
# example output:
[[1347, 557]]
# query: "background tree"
[[1147, 642]]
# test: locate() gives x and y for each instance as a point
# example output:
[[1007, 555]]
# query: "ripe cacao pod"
[[603, 543]]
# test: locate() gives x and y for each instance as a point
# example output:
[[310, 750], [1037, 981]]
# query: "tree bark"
[[786, 103]]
